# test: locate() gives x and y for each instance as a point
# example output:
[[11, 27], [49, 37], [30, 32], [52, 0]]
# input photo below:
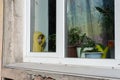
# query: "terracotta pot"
[[72, 52]]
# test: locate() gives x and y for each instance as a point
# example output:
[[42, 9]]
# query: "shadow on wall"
[[7, 79]]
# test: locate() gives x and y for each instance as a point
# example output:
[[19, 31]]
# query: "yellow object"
[[104, 51], [38, 46]]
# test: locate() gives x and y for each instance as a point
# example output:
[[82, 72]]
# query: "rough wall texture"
[[1, 31], [15, 74], [13, 31], [34, 75], [13, 43]]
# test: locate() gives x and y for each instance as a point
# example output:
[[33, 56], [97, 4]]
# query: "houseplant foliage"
[[86, 42], [92, 48], [77, 39], [107, 13], [108, 21], [52, 42], [73, 38]]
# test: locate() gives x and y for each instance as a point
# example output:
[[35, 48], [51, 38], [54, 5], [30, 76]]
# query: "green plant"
[[86, 42], [108, 21], [73, 36], [52, 42]]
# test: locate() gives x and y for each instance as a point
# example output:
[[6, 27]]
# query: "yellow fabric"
[[104, 51], [36, 46]]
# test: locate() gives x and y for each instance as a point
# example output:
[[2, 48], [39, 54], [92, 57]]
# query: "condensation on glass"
[[90, 28], [43, 26]]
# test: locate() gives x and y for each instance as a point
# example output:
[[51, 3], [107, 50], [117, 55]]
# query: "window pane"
[[90, 26], [43, 26]]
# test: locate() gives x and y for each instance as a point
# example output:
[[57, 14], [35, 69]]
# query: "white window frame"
[[60, 29], [59, 56]]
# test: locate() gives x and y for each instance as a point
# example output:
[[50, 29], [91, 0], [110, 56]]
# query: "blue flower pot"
[[93, 55]]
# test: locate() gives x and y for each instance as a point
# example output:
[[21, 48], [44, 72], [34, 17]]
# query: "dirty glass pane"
[[43, 26], [90, 29]]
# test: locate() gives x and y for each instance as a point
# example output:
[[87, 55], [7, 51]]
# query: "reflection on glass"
[[43, 26], [90, 26]]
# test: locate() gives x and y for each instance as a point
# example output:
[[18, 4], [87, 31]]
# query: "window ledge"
[[85, 71]]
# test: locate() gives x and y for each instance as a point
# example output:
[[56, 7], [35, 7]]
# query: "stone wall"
[[13, 44]]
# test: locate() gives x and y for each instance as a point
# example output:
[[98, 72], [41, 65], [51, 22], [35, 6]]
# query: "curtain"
[[83, 14]]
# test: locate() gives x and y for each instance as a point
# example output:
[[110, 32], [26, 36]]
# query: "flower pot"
[[93, 55], [72, 52], [83, 54]]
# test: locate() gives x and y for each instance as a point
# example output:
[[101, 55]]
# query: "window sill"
[[85, 71]]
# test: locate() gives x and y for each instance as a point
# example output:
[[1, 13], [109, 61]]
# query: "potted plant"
[[87, 48], [73, 38]]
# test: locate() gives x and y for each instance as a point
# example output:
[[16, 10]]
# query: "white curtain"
[[83, 14]]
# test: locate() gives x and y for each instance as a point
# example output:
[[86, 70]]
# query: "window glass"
[[90, 29], [43, 26]]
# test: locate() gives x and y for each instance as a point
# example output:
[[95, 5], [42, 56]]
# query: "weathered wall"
[[1, 31], [15, 74], [13, 31], [13, 43], [31, 75]]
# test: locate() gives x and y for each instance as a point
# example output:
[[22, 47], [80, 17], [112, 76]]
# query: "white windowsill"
[[85, 71]]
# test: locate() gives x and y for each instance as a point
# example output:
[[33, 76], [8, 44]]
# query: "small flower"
[[111, 43]]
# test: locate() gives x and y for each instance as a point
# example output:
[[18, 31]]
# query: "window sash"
[[59, 32]]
